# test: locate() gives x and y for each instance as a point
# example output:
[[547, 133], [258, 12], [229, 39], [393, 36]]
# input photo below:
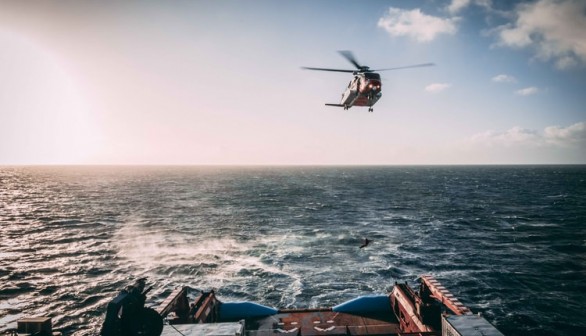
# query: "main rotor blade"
[[350, 57], [407, 67], [326, 69]]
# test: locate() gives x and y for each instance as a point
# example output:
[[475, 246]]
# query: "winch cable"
[[180, 333]]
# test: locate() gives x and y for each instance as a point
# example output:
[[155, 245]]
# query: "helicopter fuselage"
[[363, 90]]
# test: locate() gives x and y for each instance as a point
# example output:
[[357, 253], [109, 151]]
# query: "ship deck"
[[322, 322]]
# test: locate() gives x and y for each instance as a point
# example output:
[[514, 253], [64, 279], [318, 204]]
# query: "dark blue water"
[[510, 242]]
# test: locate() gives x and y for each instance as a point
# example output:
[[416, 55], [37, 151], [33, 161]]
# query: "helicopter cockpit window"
[[370, 75]]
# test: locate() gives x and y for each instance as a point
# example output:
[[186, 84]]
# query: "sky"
[[221, 82]]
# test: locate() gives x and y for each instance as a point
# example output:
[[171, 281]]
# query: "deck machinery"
[[429, 310]]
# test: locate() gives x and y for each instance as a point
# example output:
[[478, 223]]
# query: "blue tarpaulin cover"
[[365, 304], [233, 311]]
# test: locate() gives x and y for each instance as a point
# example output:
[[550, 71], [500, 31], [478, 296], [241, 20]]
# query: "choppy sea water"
[[509, 242]]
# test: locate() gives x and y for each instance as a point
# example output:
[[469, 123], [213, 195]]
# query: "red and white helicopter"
[[365, 88]]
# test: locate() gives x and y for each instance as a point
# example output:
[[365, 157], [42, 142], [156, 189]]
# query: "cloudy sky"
[[220, 82]]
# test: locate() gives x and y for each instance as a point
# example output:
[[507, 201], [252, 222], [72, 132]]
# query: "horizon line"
[[279, 164]]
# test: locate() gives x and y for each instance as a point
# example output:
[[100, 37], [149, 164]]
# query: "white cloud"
[[561, 136], [416, 25], [556, 136], [437, 87], [504, 78], [527, 91], [457, 5], [566, 62], [518, 145], [514, 136], [553, 28]]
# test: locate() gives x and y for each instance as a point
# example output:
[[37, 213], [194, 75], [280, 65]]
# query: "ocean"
[[508, 241]]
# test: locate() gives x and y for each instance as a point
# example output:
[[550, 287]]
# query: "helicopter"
[[365, 88]]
